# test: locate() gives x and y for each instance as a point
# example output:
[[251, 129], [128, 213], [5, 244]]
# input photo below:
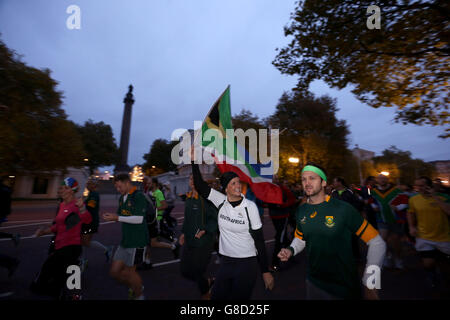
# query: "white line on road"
[[26, 221], [160, 264], [49, 235], [25, 225]]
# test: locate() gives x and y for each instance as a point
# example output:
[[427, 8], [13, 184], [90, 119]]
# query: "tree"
[[404, 64], [311, 132], [247, 120], [99, 144], [35, 134], [159, 157], [401, 167]]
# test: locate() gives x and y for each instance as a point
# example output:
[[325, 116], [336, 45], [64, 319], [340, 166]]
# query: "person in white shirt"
[[241, 241]]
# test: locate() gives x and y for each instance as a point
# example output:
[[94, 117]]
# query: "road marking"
[[26, 221], [25, 225], [48, 235], [160, 264]]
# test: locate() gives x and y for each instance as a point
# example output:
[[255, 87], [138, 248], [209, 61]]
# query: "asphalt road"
[[164, 281]]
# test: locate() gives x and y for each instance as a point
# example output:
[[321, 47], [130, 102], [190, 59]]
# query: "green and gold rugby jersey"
[[327, 229], [133, 235]]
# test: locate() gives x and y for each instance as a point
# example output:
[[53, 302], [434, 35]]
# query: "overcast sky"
[[180, 55]]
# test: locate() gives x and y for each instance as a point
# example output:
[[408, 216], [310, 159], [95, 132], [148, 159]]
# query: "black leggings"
[[53, 276], [235, 279], [193, 265], [281, 239]]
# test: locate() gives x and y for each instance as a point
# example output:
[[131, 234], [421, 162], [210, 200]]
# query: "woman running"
[[241, 241], [71, 215]]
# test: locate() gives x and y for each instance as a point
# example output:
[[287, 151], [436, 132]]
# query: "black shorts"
[[153, 229], [89, 228]]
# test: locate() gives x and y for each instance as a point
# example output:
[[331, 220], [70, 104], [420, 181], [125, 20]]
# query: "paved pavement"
[[164, 281]]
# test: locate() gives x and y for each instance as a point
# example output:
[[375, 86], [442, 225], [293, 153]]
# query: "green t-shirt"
[[327, 229], [159, 196], [92, 203], [133, 235]]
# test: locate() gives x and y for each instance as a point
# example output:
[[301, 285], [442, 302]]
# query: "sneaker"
[[13, 268], [176, 251], [109, 252], [16, 238], [130, 294], [145, 266]]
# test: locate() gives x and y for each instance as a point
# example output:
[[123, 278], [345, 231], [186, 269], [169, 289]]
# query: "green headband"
[[315, 170]]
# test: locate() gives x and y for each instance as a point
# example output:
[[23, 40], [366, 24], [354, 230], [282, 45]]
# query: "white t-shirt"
[[235, 240]]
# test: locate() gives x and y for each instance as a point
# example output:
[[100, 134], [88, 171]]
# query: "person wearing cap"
[[324, 227], [71, 215], [241, 241]]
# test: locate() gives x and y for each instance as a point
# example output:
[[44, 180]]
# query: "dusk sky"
[[180, 55]]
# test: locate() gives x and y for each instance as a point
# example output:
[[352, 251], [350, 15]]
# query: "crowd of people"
[[340, 228]]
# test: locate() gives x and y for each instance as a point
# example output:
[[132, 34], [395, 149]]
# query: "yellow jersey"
[[432, 222]]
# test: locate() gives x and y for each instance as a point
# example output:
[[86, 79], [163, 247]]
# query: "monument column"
[[122, 166]]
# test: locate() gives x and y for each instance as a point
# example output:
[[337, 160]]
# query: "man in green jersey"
[[324, 227], [131, 212]]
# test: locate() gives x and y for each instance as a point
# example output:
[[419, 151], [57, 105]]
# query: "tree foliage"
[[159, 157], [35, 134], [404, 64], [99, 144], [247, 120], [310, 132], [401, 166]]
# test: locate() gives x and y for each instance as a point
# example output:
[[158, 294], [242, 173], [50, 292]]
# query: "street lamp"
[[294, 160], [385, 173]]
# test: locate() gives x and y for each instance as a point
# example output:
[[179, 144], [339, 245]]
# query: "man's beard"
[[315, 193]]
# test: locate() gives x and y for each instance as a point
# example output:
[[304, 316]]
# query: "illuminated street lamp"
[[385, 173], [86, 160], [294, 160], [153, 167]]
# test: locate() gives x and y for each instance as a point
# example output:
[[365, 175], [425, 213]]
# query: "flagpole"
[[220, 97]]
